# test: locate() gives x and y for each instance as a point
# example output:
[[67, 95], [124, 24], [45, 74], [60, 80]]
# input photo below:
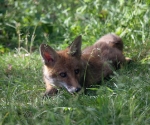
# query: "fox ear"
[[48, 54], [75, 47]]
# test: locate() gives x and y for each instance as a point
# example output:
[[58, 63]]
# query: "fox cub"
[[73, 69]]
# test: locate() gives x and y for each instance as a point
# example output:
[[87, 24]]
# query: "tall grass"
[[123, 100]]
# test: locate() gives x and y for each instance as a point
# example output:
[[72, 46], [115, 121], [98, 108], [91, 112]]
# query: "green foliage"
[[58, 21], [26, 24]]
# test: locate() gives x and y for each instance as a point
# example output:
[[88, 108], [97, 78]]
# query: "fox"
[[74, 69]]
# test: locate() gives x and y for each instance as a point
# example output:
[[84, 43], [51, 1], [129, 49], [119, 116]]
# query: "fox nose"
[[77, 89]]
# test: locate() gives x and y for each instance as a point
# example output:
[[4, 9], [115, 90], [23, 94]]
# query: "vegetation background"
[[25, 24]]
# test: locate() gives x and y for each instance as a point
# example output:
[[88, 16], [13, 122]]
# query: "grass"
[[22, 87], [123, 100]]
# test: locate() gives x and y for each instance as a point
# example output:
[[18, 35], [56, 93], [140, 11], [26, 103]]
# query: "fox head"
[[63, 68]]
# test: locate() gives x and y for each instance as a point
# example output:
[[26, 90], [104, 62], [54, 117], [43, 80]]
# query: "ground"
[[122, 100]]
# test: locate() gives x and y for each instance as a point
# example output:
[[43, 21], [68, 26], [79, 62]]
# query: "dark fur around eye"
[[63, 74], [76, 71]]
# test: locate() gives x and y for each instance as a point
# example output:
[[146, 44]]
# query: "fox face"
[[63, 68]]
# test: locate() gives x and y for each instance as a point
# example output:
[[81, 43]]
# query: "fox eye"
[[63, 74], [76, 71]]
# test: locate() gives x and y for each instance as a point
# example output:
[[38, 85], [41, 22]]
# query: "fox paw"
[[128, 60], [51, 92]]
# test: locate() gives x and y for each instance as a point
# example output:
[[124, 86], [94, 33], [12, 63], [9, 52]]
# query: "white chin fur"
[[54, 82], [69, 89], [72, 90]]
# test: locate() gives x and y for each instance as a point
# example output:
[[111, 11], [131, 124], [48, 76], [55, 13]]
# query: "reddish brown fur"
[[95, 63], [105, 55], [66, 64]]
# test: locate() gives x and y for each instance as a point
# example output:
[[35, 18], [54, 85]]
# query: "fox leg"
[[128, 60], [50, 90]]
